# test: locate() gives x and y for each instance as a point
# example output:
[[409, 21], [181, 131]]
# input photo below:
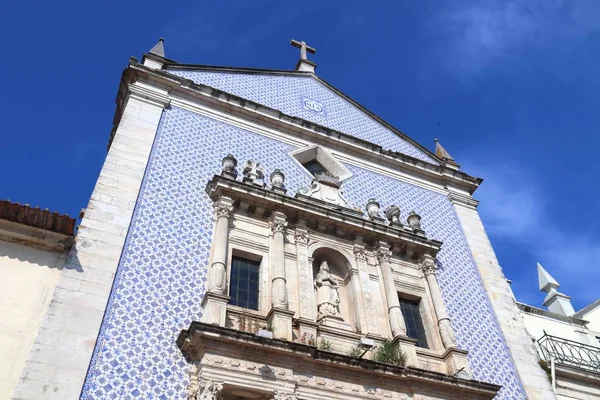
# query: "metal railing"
[[570, 353]]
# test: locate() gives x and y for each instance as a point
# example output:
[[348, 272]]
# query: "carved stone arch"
[[342, 266], [346, 253]]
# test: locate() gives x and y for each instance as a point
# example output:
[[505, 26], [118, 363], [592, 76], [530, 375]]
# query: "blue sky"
[[510, 88]]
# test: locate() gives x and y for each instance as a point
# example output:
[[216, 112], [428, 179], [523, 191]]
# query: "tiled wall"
[[160, 280], [288, 93]]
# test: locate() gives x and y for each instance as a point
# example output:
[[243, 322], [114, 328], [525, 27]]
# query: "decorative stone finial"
[[159, 48], [254, 173], [556, 302], [277, 179], [392, 213], [443, 154], [228, 165], [373, 208], [414, 221]]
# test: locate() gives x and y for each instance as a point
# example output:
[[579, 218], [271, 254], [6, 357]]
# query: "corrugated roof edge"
[[36, 217]]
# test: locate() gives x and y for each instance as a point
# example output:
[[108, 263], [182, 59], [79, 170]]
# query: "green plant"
[[390, 353], [270, 327], [544, 365], [325, 344], [355, 352]]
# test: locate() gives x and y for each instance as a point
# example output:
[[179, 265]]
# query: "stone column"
[[393, 304], [446, 332], [215, 300], [279, 316], [279, 295]]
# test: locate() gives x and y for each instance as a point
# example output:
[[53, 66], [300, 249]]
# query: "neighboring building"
[[186, 263], [568, 342], [33, 249]]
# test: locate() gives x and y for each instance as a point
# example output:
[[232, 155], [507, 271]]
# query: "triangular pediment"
[[306, 96]]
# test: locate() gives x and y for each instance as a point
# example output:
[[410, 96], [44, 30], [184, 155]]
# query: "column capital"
[[359, 252], [278, 221], [428, 266], [223, 207], [302, 235], [383, 252], [206, 390]]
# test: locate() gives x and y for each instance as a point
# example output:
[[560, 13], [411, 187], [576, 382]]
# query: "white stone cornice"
[[463, 200], [149, 94]]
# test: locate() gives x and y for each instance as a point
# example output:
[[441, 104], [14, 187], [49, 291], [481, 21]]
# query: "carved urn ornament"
[[277, 178], [392, 213], [414, 220], [228, 164], [373, 208]]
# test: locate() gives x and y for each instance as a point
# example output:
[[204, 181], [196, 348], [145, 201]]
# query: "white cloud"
[[514, 208], [473, 34]]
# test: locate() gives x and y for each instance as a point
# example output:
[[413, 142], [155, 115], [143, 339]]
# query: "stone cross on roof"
[[303, 48]]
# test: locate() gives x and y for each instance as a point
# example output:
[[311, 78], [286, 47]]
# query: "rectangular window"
[[414, 323], [314, 167], [243, 289]]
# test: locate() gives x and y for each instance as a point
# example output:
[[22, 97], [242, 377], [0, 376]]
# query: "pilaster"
[[369, 326], [80, 298], [511, 323]]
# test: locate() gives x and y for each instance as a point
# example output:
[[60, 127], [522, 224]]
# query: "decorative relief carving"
[[305, 273], [428, 266], [383, 255], [360, 255], [206, 390], [222, 209], [278, 222], [361, 261], [218, 278], [279, 293], [279, 395], [254, 173], [301, 237], [397, 322], [357, 301], [447, 333]]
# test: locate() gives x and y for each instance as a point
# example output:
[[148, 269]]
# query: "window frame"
[[418, 303], [251, 259]]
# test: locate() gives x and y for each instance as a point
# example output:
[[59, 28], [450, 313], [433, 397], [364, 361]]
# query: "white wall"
[[594, 321], [28, 276]]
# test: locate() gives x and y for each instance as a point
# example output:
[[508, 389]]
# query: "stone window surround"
[[249, 257], [322, 156]]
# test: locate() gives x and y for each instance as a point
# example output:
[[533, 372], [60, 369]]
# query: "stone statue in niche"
[[328, 297]]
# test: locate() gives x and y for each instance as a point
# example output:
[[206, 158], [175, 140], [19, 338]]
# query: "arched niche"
[[340, 271]]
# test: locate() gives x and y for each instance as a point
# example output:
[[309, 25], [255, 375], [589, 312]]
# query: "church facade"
[[258, 234]]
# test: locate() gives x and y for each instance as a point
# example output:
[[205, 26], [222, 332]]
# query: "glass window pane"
[[414, 324], [243, 288], [314, 167]]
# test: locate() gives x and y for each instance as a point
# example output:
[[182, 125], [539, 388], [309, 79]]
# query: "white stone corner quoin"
[[533, 378], [59, 360]]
